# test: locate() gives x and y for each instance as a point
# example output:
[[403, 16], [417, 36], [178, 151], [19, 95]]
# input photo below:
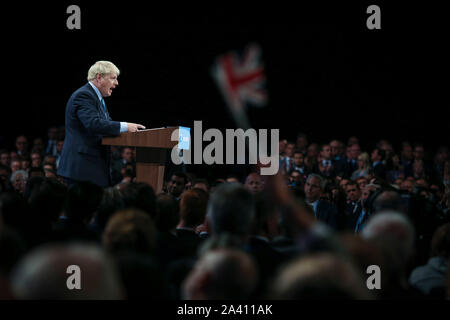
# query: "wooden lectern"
[[151, 147]]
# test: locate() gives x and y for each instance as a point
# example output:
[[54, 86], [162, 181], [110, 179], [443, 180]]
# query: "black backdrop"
[[327, 74]]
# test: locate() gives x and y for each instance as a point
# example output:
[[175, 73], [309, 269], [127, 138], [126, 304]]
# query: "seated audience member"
[[167, 213], [166, 220], [130, 231], [231, 210], [418, 156], [15, 165], [418, 171], [408, 186], [46, 198], [193, 205], [25, 163], [338, 158], [49, 159], [362, 182], [221, 274], [302, 142], [5, 158], [49, 171], [406, 155], [343, 183], [378, 156], [190, 177], [176, 185], [363, 162], [14, 156], [353, 153], [299, 163], [22, 146], [287, 162], [324, 164], [396, 170], [82, 200], [352, 140], [36, 160], [5, 177], [263, 229], [19, 180], [200, 184], [285, 241], [52, 134], [386, 146], [320, 276], [324, 211], [254, 183], [365, 214], [441, 155], [117, 165], [296, 179], [430, 278], [394, 234], [59, 147], [42, 274], [141, 196], [354, 206], [111, 202]]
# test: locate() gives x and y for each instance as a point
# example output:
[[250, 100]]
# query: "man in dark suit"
[[323, 210], [83, 157], [354, 206], [379, 169]]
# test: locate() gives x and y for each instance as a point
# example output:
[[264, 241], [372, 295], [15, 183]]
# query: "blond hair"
[[102, 68]]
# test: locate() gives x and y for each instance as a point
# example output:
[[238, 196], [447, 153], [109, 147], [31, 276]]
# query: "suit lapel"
[[103, 114], [318, 209]]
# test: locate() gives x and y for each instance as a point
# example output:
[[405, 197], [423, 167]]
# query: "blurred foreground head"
[[231, 209], [320, 276], [393, 231], [43, 274], [221, 274]]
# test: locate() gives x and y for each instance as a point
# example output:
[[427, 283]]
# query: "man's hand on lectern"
[[133, 127]]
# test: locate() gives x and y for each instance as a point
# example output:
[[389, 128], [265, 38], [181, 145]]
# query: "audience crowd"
[[309, 232]]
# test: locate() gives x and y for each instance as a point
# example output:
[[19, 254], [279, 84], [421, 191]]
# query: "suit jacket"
[[380, 170], [327, 213], [351, 215], [189, 242], [83, 157]]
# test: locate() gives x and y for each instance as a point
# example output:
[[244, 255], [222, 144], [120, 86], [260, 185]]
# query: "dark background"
[[327, 74]]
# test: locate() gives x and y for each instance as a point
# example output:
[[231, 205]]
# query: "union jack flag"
[[241, 80]]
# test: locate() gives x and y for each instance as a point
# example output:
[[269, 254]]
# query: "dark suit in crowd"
[[327, 213]]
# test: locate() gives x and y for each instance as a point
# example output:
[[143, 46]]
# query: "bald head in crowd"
[[221, 274], [44, 274]]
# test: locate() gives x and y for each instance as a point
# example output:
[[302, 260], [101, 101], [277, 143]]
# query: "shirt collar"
[[96, 91]]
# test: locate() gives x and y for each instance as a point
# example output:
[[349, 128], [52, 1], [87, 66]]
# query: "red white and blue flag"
[[241, 79]]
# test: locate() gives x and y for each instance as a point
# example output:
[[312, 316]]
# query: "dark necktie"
[[104, 108], [103, 105]]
